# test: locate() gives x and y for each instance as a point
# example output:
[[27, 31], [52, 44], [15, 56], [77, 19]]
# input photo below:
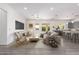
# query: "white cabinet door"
[[4, 26], [0, 27]]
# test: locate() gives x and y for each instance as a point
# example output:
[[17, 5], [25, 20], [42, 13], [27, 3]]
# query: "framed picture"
[[30, 25]]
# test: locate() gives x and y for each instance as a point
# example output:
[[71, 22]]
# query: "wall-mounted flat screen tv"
[[19, 25]]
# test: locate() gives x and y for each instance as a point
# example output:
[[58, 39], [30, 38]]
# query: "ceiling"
[[42, 10]]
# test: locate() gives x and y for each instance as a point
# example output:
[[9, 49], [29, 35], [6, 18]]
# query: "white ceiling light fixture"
[[51, 8], [25, 8], [35, 16], [67, 23]]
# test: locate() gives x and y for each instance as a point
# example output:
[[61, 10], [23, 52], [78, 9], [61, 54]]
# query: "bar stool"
[[74, 37], [64, 35], [68, 36], [77, 37]]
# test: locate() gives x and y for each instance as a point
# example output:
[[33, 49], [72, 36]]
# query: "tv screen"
[[70, 25], [19, 25]]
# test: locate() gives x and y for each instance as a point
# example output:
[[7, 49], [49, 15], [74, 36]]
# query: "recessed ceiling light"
[[25, 8], [51, 8], [72, 21], [66, 23]]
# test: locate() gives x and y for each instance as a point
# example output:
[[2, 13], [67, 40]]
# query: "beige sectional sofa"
[[20, 38]]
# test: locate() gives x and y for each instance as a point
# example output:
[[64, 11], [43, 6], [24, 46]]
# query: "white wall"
[[12, 15]]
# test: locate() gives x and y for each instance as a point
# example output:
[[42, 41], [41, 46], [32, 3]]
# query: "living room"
[[39, 26]]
